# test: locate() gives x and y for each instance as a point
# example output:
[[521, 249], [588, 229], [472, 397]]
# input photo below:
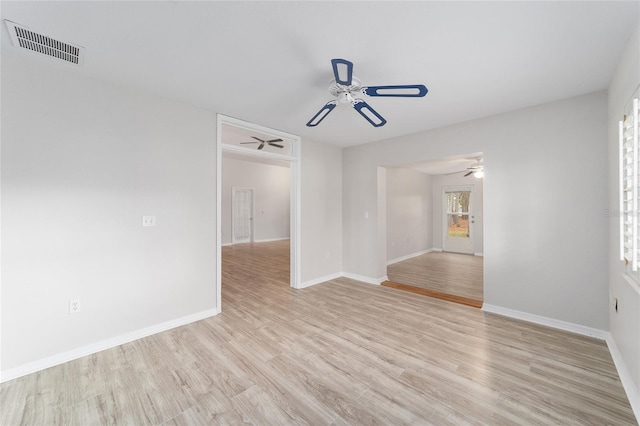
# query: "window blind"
[[629, 190]]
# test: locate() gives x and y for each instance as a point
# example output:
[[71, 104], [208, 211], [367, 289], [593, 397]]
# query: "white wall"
[[409, 212], [442, 181], [625, 324], [554, 264], [321, 209], [272, 188], [82, 162]]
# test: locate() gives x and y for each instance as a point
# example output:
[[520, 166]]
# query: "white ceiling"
[[269, 62], [447, 165]]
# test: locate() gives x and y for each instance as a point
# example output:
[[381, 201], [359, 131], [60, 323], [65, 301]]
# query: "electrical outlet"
[[74, 306], [148, 221]]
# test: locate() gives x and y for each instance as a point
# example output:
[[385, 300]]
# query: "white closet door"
[[242, 215]]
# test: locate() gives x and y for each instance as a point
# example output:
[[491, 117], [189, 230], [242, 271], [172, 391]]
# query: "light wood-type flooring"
[[337, 353], [451, 273]]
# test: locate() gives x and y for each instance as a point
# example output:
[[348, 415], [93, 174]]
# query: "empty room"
[[324, 213]]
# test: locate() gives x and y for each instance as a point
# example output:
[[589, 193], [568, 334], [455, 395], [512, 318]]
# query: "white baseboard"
[[32, 367], [270, 239], [315, 281], [633, 394], [362, 278], [549, 322], [481, 254], [409, 256], [258, 241], [368, 280]]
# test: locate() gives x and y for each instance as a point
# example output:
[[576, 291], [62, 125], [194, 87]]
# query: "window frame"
[[629, 196]]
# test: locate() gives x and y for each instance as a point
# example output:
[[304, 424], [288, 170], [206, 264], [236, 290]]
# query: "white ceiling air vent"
[[24, 38]]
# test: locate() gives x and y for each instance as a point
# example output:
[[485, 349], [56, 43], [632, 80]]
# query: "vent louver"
[[24, 38]]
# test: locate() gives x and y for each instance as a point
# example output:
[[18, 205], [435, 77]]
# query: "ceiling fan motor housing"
[[345, 94]]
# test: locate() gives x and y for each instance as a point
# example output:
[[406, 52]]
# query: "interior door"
[[242, 217], [458, 220]]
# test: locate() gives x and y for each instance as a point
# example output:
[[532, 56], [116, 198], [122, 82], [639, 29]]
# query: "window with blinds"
[[629, 190]]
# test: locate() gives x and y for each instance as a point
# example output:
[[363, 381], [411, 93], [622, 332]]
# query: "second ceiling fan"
[[345, 87], [263, 142], [476, 169]]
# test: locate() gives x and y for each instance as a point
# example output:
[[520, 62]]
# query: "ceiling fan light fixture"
[[479, 174], [346, 98]]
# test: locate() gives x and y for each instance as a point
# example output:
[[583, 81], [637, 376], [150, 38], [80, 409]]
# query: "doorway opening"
[[435, 228], [254, 208]]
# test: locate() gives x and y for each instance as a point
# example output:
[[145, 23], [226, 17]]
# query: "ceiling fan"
[[477, 170], [262, 142], [345, 87]]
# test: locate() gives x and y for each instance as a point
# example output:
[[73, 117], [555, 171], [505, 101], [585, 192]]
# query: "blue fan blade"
[[343, 71], [408, 91], [369, 113], [320, 115]]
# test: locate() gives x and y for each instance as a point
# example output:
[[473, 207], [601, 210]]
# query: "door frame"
[[293, 159], [233, 216], [445, 215]]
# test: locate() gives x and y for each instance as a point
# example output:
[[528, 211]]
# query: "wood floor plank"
[[35, 399], [338, 353], [255, 405]]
